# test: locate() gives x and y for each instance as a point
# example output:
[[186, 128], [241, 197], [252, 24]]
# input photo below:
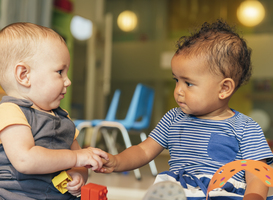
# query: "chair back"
[[112, 110], [140, 110]]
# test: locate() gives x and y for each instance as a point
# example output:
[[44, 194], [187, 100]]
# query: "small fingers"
[[91, 157], [104, 161], [98, 163], [100, 153], [104, 170], [94, 162], [74, 187]]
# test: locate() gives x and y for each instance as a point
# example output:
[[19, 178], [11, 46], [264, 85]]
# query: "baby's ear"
[[22, 71], [227, 88]]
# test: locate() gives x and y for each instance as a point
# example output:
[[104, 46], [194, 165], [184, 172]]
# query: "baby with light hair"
[[37, 137]]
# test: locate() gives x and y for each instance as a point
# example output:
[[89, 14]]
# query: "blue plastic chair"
[[111, 113], [137, 119]]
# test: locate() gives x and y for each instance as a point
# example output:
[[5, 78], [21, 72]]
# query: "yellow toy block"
[[60, 181]]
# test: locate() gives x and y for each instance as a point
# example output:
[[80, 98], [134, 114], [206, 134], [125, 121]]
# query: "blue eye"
[[60, 72]]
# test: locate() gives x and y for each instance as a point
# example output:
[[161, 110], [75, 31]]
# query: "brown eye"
[[189, 84]]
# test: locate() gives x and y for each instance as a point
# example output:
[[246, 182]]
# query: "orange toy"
[[93, 191], [224, 173]]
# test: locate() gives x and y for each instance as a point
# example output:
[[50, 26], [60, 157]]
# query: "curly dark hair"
[[223, 49]]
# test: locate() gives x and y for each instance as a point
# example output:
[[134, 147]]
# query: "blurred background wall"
[[113, 58]]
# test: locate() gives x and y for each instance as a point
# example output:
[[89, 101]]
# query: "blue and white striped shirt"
[[202, 146]]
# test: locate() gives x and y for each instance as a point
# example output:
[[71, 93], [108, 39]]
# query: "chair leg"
[[125, 136], [84, 125], [81, 137], [81, 128], [94, 136], [110, 140], [151, 163], [128, 144]]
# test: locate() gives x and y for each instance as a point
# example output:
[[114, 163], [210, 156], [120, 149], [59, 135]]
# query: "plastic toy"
[[60, 181], [224, 173], [93, 191], [165, 190]]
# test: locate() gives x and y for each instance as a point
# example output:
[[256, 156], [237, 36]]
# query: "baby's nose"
[[67, 82]]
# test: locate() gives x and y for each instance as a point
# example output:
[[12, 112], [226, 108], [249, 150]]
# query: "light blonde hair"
[[19, 42]]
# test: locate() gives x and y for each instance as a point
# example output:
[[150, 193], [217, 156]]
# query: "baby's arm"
[[255, 189], [133, 157], [27, 158], [79, 175]]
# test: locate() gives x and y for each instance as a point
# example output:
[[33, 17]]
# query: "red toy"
[[93, 191]]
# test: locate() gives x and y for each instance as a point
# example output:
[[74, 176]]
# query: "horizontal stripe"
[[202, 146]]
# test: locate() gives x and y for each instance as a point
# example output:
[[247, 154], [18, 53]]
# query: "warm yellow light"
[[250, 13], [127, 21]]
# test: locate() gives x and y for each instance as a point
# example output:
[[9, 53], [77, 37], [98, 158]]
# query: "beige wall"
[[139, 61], [262, 55]]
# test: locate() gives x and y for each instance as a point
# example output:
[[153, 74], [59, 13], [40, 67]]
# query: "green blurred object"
[[61, 24]]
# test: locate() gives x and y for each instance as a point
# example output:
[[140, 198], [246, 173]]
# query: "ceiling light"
[[127, 21], [250, 13]]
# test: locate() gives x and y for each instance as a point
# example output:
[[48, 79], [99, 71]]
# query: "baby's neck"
[[46, 111], [224, 114]]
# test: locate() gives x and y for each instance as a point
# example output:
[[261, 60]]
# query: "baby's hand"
[[90, 157], [108, 165], [74, 186]]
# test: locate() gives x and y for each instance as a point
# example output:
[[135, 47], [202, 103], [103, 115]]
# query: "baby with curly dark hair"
[[223, 49], [204, 133]]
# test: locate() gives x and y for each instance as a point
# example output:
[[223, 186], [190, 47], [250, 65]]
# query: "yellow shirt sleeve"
[[76, 134], [11, 114]]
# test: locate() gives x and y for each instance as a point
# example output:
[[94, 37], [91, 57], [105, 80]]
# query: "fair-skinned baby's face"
[[48, 75], [197, 89]]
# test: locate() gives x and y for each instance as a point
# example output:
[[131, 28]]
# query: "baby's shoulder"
[[174, 114]]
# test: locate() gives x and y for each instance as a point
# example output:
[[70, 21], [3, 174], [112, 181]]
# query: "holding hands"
[[91, 158], [86, 158], [109, 165]]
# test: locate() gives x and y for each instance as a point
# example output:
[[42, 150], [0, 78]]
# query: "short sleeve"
[[254, 145], [11, 114], [76, 134], [161, 132]]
